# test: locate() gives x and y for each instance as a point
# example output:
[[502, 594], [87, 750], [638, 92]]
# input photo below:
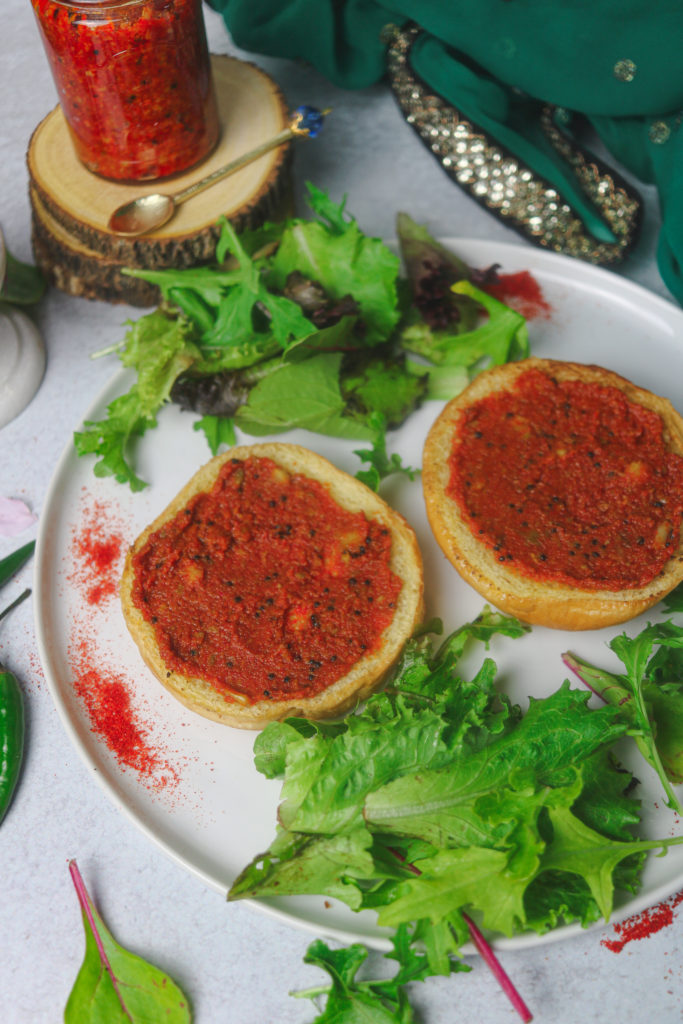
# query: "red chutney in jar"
[[569, 481], [134, 83], [265, 586]]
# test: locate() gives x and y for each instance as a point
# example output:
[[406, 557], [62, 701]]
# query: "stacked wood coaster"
[[71, 206]]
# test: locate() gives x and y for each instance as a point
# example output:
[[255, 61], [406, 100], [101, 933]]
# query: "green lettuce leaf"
[[159, 348], [301, 394], [580, 850], [343, 261], [23, 283], [318, 865], [218, 431], [439, 801], [501, 338], [236, 316], [648, 696], [383, 387], [381, 464]]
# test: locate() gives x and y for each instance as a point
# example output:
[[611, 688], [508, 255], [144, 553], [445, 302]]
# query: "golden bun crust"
[[551, 604], [368, 672]]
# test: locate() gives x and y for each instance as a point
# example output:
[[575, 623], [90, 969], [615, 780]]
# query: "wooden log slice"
[[69, 265], [71, 206]]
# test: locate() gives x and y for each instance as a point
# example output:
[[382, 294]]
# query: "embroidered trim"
[[502, 183]]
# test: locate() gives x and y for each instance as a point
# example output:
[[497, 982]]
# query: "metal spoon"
[[148, 212]]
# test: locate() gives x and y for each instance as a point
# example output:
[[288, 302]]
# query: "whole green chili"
[[12, 563], [11, 737], [11, 697]]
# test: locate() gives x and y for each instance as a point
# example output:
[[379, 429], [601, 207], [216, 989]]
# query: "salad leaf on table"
[[303, 324], [350, 999], [115, 985], [22, 284]]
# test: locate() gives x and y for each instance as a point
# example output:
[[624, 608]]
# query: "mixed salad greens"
[[441, 807], [308, 324]]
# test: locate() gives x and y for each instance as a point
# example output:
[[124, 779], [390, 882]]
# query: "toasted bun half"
[[531, 596], [228, 701]]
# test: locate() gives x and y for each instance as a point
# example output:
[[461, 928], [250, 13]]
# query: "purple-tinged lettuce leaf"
[[502, 337], [432, 269], [343, 261]]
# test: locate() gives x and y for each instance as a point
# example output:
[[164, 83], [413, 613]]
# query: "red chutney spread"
[[134, 83], [569, 481], [265, 586]]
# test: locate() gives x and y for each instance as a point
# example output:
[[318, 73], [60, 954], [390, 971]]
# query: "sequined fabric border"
[[502, 183]]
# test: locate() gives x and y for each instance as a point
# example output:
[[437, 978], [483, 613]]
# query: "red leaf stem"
[[84, 900], [498, 971], [485, 950]]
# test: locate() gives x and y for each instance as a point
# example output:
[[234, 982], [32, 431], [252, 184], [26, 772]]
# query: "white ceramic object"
[[22, 362], [222, 812], [22, 356]]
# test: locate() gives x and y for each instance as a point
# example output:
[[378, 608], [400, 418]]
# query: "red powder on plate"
[[112, 717], [98, 549], [522, 292], [642, 925]]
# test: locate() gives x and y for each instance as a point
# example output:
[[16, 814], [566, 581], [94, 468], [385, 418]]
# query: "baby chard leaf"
[[114, 985]]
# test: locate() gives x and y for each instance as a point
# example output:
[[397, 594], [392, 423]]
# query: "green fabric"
[[497, 59]]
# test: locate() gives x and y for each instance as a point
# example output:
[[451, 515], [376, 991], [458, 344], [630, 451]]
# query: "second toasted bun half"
[[365, 675], [537, 601]]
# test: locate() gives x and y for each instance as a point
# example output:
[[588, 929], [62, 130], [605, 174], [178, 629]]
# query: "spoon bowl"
[[142, 214]]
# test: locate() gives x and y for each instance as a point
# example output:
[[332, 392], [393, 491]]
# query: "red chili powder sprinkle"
[[106, 697], [642, 925], [522, 292], [97, 549]]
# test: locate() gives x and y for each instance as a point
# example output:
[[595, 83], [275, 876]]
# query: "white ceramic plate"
[[218, 812]]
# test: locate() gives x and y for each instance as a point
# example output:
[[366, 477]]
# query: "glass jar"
[[134, 83]]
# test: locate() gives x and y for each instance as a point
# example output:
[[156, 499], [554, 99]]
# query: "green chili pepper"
[[11, 737], [12, 563], [11, 697]]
